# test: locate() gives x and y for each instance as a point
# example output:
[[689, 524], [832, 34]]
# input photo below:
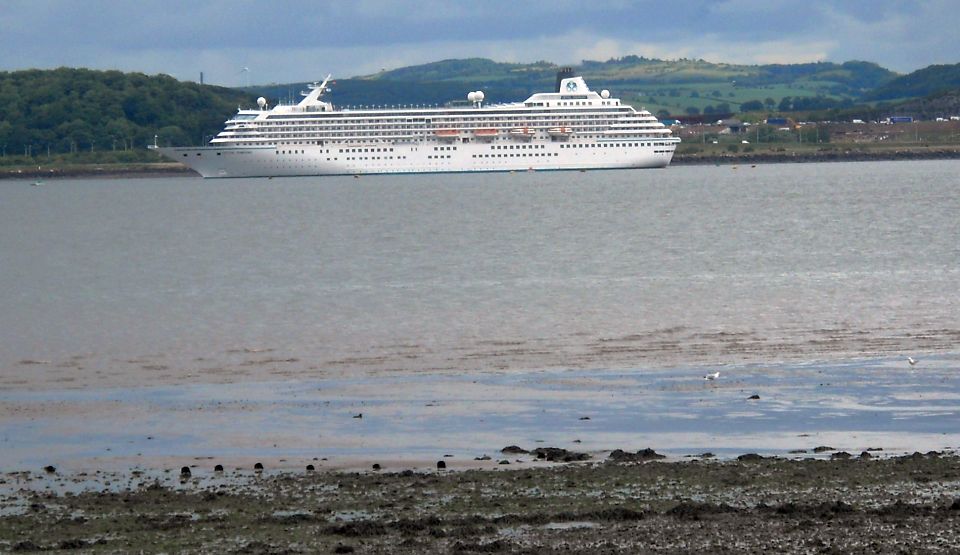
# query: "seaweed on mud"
[[691, 510], [496, 546], [901, 509], [290, 518], [259, 547], [612, 514], [72, 543], [166, 522], [357, 529], [26, 545]]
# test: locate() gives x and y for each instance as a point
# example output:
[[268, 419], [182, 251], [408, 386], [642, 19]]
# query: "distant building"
[[733, 125]]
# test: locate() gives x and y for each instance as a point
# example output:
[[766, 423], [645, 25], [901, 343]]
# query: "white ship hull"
[[573, 128], [265, 161]]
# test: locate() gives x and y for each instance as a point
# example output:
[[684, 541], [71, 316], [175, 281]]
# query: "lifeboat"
[[562, 133], [485, 134], [447, 134], [522, 133]]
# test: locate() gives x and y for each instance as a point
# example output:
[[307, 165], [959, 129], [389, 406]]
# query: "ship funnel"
[[564, 73]]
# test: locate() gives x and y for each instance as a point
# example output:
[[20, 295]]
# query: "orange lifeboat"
[[486, 134], [522, 133]]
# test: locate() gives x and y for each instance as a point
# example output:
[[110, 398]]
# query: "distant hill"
[[71, 110], [469, 70], [939, 105], [850, 78], [676, 87], [924, 82]]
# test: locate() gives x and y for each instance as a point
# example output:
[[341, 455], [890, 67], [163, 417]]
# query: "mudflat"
[[851, 503]]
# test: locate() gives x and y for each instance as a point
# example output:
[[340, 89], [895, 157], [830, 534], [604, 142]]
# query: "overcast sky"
[[281, 41]]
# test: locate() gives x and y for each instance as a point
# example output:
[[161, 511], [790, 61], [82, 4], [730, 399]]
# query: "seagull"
[[713, 376], [358, 415], [911, 361]]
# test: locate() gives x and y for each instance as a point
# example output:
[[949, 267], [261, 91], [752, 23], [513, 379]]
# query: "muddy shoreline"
[[861, 504]]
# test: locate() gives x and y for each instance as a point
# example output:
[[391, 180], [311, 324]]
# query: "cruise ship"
[[571, 128]]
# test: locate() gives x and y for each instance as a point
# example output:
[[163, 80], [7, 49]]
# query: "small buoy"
[[218, 468], [310, 468], [185, 471], [258, 466], [376, 466], [441, 465]]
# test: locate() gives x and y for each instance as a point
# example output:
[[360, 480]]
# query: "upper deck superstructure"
[[571, 128]]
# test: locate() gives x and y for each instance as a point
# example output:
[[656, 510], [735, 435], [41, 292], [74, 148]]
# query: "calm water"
[[414, 271]]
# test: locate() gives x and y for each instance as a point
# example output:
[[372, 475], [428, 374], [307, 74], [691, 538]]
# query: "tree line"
[[68, 110]]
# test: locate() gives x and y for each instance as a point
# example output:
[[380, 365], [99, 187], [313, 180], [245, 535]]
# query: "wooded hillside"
[[70, 110]]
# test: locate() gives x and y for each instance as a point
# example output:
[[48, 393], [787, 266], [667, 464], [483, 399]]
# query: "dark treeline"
[[81, 110], [931, 80]]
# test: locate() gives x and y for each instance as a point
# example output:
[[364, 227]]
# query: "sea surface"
[[465, 272], [251, 316]]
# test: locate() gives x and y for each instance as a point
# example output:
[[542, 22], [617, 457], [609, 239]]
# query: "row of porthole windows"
[[376, 158], [438, 156], [516, 154], [444, 148], [366, 150], [498, 147], [614, 145]]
